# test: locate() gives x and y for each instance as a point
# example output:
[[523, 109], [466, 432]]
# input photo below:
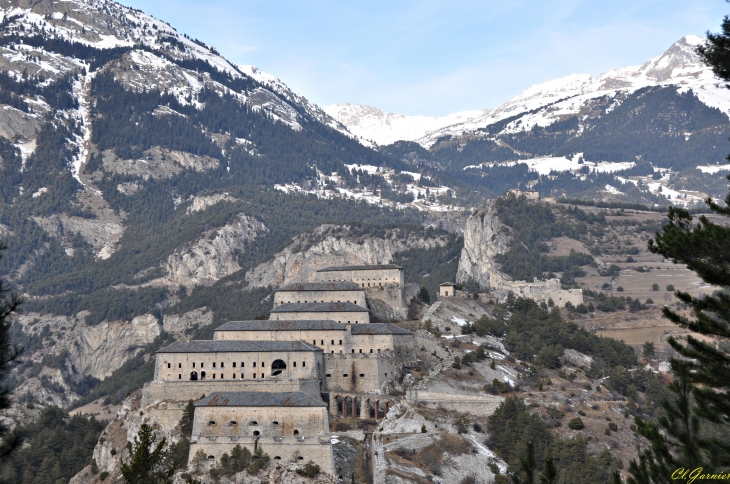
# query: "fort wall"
[[342, 317], [236, 365], [284, 296], [298, 434], [184, 391]]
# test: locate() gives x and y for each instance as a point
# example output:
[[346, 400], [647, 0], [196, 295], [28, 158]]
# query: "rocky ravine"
[[484, 238]]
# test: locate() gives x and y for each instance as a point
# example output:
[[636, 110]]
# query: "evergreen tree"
[[549, 473], [676, 439], [424, 296], [9, 353], [703, 376], [186, 422], [148, 463]]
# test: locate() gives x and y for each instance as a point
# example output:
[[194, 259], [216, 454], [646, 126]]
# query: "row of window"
[[276, 457], [305, 302], [194, 375], [243, 365], [252, 423]]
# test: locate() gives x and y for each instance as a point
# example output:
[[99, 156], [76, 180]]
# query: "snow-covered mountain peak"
[[370, 123], [275, 84], [678, 66]]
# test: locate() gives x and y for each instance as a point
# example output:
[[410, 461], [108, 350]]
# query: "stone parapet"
[[183, 391]]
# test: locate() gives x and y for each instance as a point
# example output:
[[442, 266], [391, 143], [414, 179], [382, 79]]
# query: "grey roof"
[[326, 307], [447, 284], [260, 399], [216, 346], [360, 268], [378, 328], [322, 286], [281, 325]]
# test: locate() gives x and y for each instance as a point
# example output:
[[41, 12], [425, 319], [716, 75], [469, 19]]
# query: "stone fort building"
[[274, 384]]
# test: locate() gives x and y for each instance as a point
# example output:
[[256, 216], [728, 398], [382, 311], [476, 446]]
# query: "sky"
[[434, 57]]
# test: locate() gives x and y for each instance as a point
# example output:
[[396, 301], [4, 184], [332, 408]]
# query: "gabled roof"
[[321, 286], [260, 399], [325, 307], [281, 325], [217, 346], [378, 328], [360, 268], [447, 284]]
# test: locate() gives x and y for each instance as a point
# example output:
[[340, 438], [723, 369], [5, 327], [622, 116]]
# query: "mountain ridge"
[[677, 66]]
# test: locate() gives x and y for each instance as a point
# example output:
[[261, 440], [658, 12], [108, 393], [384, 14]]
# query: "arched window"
[[296, 432], [232, 423], [202, 375], [253, 422], [275, 422], [277, 367], [256, 433], [212, 422], [276, 457], [193, 375]]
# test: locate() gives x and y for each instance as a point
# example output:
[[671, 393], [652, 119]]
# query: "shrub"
[[620, 288], [613, 426], [670, 287], [310, 470], [576, 424], [655, 287], [462, 424], [423, 428]]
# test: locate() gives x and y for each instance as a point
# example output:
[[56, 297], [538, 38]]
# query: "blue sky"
[[434, 57]]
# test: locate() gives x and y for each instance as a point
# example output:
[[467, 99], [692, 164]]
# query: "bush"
[[310, 470], [576, 424], [620, 288], [670, 287], [655, 287]]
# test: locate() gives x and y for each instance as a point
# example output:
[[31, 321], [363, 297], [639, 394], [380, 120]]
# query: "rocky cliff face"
[[103, 234], [484, 238], [101, 349], [214, 255], [333, 245], [69, 350]]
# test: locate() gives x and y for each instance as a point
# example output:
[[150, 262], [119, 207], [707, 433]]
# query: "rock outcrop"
[[484, 238], [80, 350], [201, 203], [181, 324], [101, 349], [102, 234], [333, 245], [158, 163], [14, 122], [214, 255]]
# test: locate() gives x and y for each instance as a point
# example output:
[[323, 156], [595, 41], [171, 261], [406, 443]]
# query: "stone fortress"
[[273, 384]]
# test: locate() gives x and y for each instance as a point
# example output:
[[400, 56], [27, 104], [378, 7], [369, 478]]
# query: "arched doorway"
[[193, 375], [202, 375], [339, 405], [277, 367]]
